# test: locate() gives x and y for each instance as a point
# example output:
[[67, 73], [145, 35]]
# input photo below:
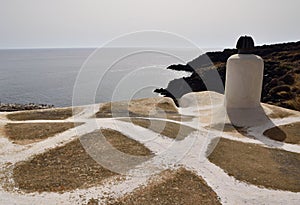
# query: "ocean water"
[[58, 76]]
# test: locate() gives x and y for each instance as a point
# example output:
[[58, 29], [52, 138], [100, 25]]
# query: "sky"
[[92, 23]]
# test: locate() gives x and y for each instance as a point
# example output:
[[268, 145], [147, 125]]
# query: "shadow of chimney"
[[256, 118]]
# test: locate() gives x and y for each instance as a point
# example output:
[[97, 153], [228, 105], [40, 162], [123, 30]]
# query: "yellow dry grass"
[[169, 129], [70, 167], [271, 168], [47, 114], [146, 107], [174, 187], [25, 133]]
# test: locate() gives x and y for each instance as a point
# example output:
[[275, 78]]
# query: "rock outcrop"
[[281, 85], [10, 107]]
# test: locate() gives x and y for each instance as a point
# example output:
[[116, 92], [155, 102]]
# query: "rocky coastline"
[[11, 107], [281, 84]]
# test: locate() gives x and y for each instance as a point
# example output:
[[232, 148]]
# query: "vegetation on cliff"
[[281, 84]]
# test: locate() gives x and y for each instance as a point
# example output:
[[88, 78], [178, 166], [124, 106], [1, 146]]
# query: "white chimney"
[[244, 76]]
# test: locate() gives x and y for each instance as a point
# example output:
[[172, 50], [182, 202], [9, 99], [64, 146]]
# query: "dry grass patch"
[[271, 168], [2, 130], [146, 107], [239, 132], [291, 133], [70, 167], [60, 169], [227, 127], [115, 150], [125, 144], [93, 201], [278, 112], [47, 114], [169, 129], [174, 187], [24, 133], [118, 141]]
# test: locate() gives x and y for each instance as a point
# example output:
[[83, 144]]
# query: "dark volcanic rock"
[[281, 74], [10, 107]]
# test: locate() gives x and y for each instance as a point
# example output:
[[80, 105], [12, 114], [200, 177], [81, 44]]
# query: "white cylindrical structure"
[[244, 77]]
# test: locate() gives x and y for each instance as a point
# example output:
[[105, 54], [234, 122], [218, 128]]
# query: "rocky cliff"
[[281, 85]]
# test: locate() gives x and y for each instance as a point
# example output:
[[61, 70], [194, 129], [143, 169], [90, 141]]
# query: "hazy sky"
[[90, 23]]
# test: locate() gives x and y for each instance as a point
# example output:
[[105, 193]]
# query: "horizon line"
[[96, 47]]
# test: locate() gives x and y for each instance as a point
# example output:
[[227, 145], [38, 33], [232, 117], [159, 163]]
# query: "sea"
[[78, 76]]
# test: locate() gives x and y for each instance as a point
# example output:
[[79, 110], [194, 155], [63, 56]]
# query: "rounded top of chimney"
[[245, 44]]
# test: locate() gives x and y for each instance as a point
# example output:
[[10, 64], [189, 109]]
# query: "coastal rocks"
[[10, 107]]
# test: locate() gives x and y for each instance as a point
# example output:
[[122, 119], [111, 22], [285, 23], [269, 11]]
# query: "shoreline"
[[11, 107]]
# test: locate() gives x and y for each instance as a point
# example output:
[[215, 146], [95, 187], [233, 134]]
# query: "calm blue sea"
[[48, 76]]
